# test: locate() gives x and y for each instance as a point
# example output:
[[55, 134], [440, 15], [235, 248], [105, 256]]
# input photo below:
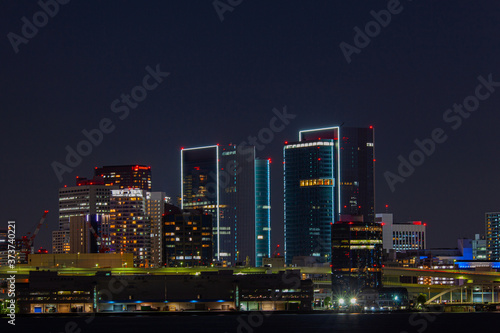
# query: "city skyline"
[[223, 81]]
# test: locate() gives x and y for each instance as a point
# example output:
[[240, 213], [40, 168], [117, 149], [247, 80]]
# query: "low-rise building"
[[223, 291], [402, 236]]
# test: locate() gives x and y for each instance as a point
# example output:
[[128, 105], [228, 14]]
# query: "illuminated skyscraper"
[[233, 187], [78, 201], [126, 176], [262, 210], [130, 227], [327, 173]]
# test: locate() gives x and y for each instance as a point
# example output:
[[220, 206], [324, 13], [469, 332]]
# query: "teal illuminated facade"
[[311, 198], [262, 210], [328, 174]]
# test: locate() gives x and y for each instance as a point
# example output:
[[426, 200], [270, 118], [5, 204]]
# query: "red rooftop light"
[[371, 127]]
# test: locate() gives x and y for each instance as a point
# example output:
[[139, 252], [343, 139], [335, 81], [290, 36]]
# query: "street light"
[[341, 301], [353, 301]]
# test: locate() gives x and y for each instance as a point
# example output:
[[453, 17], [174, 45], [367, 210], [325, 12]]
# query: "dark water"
[[387, 323]]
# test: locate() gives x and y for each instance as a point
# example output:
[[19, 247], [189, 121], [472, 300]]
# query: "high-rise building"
[[93, 199], [81, 201], [493, 235], [130, 227], [356, 256], [231, 185], [262, 210], [327, 173], [155, 208], [357, 182], [402, 236], [126, 176], [187, 237]]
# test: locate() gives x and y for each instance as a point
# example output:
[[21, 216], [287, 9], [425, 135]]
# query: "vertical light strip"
[[182, 178], [269, 208], [218, 205], [338, 170], [284, 201]]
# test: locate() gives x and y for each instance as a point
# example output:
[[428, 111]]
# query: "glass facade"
[[328, 174], [222, 180], [357, 185], [356, 257], [262, 210], [311, 197]]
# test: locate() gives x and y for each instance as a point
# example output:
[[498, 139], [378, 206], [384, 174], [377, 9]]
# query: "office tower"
[[479, 248], [493, 235], [357, 182], [402, 236], [262, 210], [356, 256], [130, 227], [89, 233], [78, 201], [126, 176], [155, 208], [327, 173], [187, 237], [82, 200], [223, 180]]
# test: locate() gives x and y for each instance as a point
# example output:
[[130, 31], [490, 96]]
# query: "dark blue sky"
[[225, 79]]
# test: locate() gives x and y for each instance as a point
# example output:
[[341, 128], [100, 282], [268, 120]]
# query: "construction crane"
[[102, 247], [28, 240]]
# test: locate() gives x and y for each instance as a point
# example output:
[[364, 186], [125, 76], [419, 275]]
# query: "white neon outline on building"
[[217, 185], [338, 160]]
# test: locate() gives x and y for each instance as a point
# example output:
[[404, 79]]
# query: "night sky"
[[225, 79]]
